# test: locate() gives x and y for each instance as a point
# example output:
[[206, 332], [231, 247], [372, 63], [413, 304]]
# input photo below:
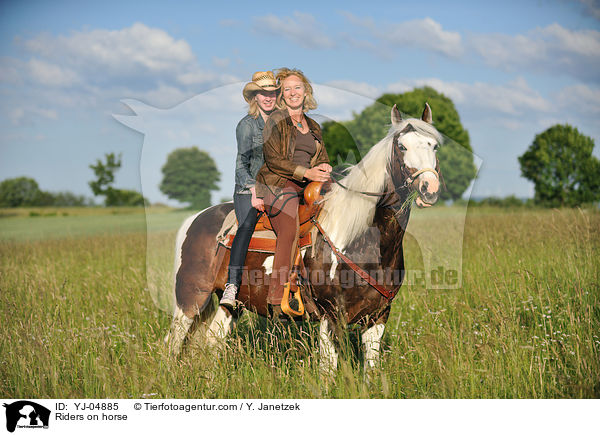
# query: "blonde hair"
[[253, 109], [309, 101]]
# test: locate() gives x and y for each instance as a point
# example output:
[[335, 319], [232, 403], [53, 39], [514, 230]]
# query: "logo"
[[26, 414]]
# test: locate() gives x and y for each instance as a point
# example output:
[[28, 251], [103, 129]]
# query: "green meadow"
[[78, 321]]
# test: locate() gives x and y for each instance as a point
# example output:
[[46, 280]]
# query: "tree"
[[189, 175], [18, 192], [105, 177], [371, 125], [561, 165]]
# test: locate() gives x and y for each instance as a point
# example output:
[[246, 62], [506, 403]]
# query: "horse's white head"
[[416, 142]]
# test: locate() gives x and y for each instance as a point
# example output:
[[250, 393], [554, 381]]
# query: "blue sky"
[[512, 69]]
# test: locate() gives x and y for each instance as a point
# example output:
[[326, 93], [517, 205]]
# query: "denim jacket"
[[249, 134]]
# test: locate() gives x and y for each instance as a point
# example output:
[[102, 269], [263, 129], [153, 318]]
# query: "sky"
[[82, 79]]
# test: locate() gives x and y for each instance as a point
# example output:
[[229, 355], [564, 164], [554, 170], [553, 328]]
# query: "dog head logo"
[[26, 414]]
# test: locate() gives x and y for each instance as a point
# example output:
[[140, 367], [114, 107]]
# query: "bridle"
[[409, 177]]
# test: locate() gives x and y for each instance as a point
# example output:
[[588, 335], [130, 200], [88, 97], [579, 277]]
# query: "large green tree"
[[189, 175], [105, 177], [20, 191], [561, 165], [355, 138]]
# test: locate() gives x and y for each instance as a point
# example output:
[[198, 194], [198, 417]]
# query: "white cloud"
[[580, 98], [133, 49], [301, 29], [513, 98], [549, 49], [99, 67], [52, 75], [428, 34], [424, 33], [10, 71], [164, 96], [17, 115]]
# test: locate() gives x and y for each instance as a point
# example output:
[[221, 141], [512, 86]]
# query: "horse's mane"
[[346, 214]]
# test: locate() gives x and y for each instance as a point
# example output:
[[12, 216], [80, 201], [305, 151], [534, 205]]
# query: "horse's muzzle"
[[429, 189]]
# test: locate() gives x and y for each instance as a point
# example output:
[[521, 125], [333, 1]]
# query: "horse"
[[400, 168]]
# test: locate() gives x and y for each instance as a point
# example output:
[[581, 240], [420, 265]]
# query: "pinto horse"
[[399, 168]]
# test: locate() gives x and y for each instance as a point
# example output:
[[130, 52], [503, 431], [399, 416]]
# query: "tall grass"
[[78, 322]]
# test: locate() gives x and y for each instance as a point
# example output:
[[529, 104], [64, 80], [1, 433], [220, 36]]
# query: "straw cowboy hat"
[[261, 81]]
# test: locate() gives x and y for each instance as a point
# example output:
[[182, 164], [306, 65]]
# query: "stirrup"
[[292, 286], [285, 305]]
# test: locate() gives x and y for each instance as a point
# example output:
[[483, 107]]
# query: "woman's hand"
[[257, 203], [325, 166], [317, 174]]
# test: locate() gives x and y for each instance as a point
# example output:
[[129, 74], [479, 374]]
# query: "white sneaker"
[[228, 299]]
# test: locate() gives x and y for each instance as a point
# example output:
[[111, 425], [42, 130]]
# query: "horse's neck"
[[391, 223]]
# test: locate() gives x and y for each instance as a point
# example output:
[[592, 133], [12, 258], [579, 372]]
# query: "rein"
[[407, 182], [389, 295], [281, 194], [352, 190]]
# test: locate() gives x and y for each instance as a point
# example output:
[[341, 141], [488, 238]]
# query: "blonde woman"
[[261, 96], [294, 155]]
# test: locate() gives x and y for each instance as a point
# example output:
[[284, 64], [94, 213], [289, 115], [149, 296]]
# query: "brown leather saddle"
[[263, 239], [306, 210]]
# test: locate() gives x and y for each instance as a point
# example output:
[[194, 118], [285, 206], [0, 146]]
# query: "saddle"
[[264, 238], [307, 209]]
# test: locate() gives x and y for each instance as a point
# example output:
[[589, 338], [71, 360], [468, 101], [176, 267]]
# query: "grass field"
[[78, 321]]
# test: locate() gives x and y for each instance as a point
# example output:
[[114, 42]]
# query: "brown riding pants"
[[285, 225]]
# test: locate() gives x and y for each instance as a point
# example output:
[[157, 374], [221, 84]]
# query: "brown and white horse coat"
[[402, 162]]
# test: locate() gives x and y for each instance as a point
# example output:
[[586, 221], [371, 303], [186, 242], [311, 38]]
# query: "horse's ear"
[[427, 117], [396, 116]]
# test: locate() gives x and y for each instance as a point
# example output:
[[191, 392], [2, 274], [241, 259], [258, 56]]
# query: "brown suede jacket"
[[279, 136]]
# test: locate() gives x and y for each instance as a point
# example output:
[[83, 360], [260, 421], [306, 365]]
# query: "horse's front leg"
[[371, 339], [222, 324], [327, 351], [179, 329]]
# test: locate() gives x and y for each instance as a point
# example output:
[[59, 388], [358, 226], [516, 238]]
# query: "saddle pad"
[[262, 241], [267, 244]]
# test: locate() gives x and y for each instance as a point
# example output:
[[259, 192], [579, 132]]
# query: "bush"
[[19, 192]]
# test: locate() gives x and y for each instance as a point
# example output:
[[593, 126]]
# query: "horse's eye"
[[436, 147], [402, 147]]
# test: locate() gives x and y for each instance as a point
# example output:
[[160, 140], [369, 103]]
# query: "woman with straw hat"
[[261, 96]]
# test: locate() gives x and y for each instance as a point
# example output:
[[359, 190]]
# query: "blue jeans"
[[247, 216]]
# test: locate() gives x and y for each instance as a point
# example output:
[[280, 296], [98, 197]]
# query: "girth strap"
[[389, 295]]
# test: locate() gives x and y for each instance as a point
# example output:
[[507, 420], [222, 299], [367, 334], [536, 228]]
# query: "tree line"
[[559, 162]]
